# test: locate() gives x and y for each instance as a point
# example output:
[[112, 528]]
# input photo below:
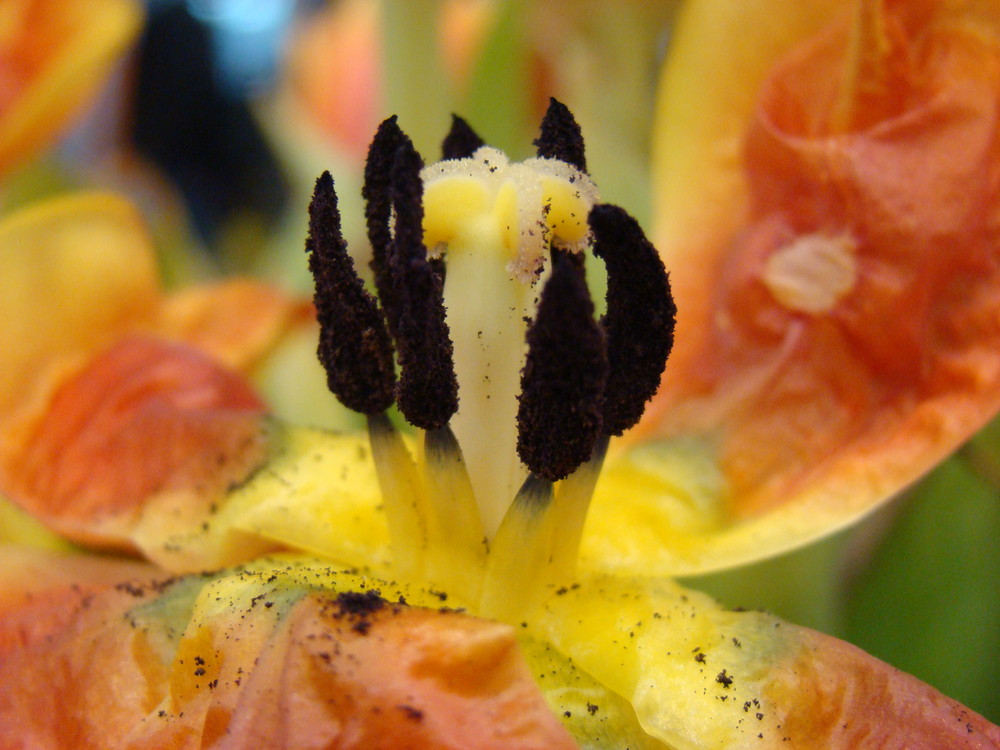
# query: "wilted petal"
[[268, 656], [41, 570]]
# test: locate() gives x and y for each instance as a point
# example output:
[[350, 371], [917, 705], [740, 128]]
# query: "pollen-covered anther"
[[427, 392], [354, 345], [461, 142], [562, 386], [561, 137], [640, 317], [378, 211]]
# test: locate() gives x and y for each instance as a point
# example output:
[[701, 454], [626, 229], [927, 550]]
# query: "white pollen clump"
[[526, 204], [812, 273]]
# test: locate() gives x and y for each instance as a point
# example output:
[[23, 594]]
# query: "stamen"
[[564, 377], [427, 392], [378, 209], [354, 345], [461, 142], [560, 136], [639, 326], [356, 353], [640, 317], [504, 230]]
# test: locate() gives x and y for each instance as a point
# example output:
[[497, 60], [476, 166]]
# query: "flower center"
[[494, 223], [483, 306]]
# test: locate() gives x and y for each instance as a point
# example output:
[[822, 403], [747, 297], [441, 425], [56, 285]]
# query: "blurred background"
[[223, 113]]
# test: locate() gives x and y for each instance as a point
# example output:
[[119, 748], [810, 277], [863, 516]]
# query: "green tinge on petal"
[[596, 716], [19, 528], [665, 649]]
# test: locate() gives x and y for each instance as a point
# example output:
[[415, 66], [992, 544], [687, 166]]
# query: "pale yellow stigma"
[[524, 205]]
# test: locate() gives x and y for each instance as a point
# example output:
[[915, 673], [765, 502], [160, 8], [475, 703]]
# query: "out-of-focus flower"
[[53, 56], [625, 656]]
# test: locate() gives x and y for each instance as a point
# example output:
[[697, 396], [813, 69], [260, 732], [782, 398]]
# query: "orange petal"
[[334, 68], [402, 678], [142, 418], [842, 339], [30, 572], [53, 56], [235, 321], [262, 659], [844, 698]]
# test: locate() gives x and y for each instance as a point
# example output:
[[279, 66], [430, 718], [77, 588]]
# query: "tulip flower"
[[343, 641], [53, 57]]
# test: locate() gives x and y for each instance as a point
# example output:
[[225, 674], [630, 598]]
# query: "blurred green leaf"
[[802, 586], [416, 87], [498, 104], [929, 603]]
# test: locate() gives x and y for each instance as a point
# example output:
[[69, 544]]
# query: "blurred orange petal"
[[53, 56], [75, 273], [236, 322], [112, 393], [334, 67], [840, 337]]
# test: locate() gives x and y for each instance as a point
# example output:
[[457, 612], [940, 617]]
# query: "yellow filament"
[[518, 574], [571, 505], [456, 551], [402, 496]]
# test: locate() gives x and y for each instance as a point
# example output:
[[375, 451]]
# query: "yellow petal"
[[74, 273], [53, 56], [700, 676], [315, 492]]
